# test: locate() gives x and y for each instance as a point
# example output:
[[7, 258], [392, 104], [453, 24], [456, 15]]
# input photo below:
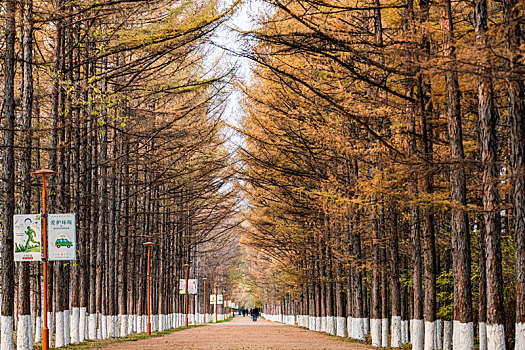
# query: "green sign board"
[[62, 240]]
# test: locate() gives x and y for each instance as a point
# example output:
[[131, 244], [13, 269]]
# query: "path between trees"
[[241, 333]]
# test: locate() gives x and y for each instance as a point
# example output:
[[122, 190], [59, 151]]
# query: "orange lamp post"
[[186, 266], [45, 329], [216, 300], [149, 244], [204, 281]]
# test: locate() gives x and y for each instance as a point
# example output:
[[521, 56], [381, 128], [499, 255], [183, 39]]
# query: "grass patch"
[[226, 320], [90, 344]]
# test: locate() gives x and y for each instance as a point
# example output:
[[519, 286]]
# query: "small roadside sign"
[[62, 240], [27, 237]]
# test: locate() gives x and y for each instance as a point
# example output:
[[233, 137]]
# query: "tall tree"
[[7, 209]]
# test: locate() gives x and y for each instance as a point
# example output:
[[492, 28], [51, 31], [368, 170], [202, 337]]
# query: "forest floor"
[[241, 333]]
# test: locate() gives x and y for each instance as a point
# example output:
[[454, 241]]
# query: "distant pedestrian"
[[255, 314]]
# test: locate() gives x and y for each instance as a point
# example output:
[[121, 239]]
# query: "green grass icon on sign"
[[63, 242]]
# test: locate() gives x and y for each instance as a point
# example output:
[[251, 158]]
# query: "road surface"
[[241, 333]]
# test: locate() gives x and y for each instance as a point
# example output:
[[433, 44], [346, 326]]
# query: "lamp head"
[[44, 172]]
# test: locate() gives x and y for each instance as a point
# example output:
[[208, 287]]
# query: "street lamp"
[[204, 281], [44, 173], [149, 244], [216, 299], [186, 266]]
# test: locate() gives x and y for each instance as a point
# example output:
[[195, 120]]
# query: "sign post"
[[44, 173]]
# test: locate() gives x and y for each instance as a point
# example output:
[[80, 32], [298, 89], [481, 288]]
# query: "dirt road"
[[241, 333]]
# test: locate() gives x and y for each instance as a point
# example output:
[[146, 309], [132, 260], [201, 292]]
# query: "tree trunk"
[[396, 338], [7, 201], [487, 116], [482, 321], [375, 290], [24, 332], [514, 35]]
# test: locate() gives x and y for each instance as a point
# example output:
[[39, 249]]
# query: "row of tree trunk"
[[138, 157], [385, 167]]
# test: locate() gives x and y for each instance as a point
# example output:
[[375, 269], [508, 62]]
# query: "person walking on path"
[[255, 314]]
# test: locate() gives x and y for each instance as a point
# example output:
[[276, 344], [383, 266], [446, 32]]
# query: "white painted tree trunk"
[[358, 328], [375, 331], [116, 331], [496, 337], [341, 326], [463, 336], [430, 335], [103, 326], [404, 331], [50, 326], [92, 324], [116, 326], [482, 332], [67, 328], [395, 338], [82, 324], [330, 325], [317, 324], [59, 329], [100, 326], [110, 326], [349, 323], [447, 335], [87, 326], [38, 329], [384, 333], [6, 340], [130, 325], [418, 335], [439, 343], [24, 334], [75, 325], [124, 325], [311, 323], [520, 336]]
